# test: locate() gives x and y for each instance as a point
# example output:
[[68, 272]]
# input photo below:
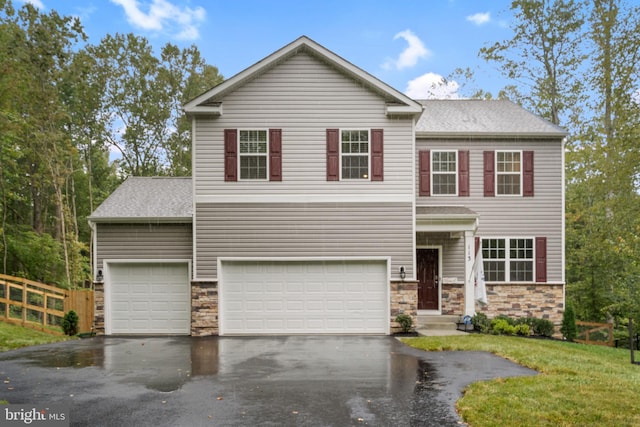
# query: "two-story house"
[[325, 201]]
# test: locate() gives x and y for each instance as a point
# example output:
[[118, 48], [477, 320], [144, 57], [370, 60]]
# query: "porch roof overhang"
[[446, 219]]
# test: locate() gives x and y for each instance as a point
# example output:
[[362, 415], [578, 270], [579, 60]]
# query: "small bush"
[[523, 329], [501, 326], [543, 327], [70, 323], [569, 329], [405, 322], [510, 320], [481, 323]]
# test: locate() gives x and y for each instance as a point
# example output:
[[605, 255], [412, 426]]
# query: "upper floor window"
[[444, 172], [253, 154], [354, 154], [508, 258], [508, 172]]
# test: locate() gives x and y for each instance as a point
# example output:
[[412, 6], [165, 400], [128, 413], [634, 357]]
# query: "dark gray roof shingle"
[[476, 117], [148, 198]]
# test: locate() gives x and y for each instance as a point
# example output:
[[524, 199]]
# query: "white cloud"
[[479, 18], [180, 22], [432, 86], [36, 3], [410, 56]]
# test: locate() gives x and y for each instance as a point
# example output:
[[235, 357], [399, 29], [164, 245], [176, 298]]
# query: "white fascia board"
[[446, 225]]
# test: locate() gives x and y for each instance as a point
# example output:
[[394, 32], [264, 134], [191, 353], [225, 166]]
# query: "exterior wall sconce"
[[99, 276], [403, 274]]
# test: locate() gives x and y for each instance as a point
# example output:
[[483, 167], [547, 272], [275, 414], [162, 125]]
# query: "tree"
[[543, 56]]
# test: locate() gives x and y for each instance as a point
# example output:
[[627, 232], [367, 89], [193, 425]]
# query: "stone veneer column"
[[204, 308], [98, 313], [404, 299]]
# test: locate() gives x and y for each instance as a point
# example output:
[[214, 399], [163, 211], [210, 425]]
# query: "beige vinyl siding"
[[512, 216], [144, 242], [452, 253], [303, 96], [292, 230]]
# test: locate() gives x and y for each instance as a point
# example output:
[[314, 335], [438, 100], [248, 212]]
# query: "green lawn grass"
[[15, 336], [578, 385]]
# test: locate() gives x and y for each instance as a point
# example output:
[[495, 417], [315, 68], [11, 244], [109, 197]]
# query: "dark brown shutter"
[[463, 173], [489, 174], [230, 154], [275, 154], [333, 155], [424, 158], [541, 259], [377, 155], [527, 177]]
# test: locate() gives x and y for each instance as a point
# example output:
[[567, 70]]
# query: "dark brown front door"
[[428, 289]]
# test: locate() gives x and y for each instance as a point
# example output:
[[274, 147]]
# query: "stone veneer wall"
[[204, 309], [542, 301], [404, 299], [98, 313]]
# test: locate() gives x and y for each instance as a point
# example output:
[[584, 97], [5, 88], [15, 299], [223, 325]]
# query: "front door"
[[428, 286]]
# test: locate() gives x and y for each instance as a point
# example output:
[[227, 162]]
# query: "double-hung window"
[[354, 154], [444, 172], [253, 154], [509, 259], [509, 172]]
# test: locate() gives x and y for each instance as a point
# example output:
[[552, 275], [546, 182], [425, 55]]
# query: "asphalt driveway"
[[224, 381]]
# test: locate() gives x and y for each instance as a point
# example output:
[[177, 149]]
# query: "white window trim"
[[431, 169], [368, 178], [521, 173], [240, 154], [507, 258]]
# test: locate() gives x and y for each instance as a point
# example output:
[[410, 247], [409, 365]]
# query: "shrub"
[[405, 322], [510, 320], [543, 327], [501, 326], [481, 323], [70, 323], [569, 329], [523, 329]]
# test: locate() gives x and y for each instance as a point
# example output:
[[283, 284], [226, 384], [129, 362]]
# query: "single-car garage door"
[[303, 297], [148, 298]]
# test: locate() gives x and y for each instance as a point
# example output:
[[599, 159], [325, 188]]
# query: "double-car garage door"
[[255, 297], [303, 297]]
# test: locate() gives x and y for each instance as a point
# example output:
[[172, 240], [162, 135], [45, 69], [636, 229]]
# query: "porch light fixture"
[[99, 276], [403, 274]]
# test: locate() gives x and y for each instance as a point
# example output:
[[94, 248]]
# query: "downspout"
[[94, 251]]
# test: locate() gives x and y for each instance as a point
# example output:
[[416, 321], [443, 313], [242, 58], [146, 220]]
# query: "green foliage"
[[543, 327], [569, 329], [481, 323], [405, 322], [70, 323], [501, 326], [523, 329], [15, 336]]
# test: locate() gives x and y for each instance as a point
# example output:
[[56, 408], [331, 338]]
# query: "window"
[[354, 154], [253, 154], [508, 168], [444, 167], [512, 258]]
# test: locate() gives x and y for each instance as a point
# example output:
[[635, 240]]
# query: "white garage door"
[[303, 297], [149, 298]]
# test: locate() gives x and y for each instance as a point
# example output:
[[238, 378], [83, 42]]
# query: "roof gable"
[[210, 101], [159, 199]]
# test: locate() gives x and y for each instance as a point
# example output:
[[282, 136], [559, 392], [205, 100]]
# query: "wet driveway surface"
[[225, 381]]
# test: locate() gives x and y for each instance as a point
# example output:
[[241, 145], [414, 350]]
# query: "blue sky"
[[406, 43]]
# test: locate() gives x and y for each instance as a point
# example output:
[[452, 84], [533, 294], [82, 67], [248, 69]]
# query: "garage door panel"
[[303, 297], [149, 298]]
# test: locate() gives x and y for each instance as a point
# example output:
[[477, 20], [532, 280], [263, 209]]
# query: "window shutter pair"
[[377, 155], [490, 174], [424, 173], [541, 257], [231, 154]]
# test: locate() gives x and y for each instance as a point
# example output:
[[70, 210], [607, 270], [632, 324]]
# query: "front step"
[[436, 322]]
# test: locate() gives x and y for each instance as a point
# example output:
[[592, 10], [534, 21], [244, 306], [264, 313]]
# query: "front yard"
[[15, 336], [578, 385]]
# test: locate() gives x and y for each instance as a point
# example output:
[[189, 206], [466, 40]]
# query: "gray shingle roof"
[[148, 198], [474, 117], [445, 211]]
